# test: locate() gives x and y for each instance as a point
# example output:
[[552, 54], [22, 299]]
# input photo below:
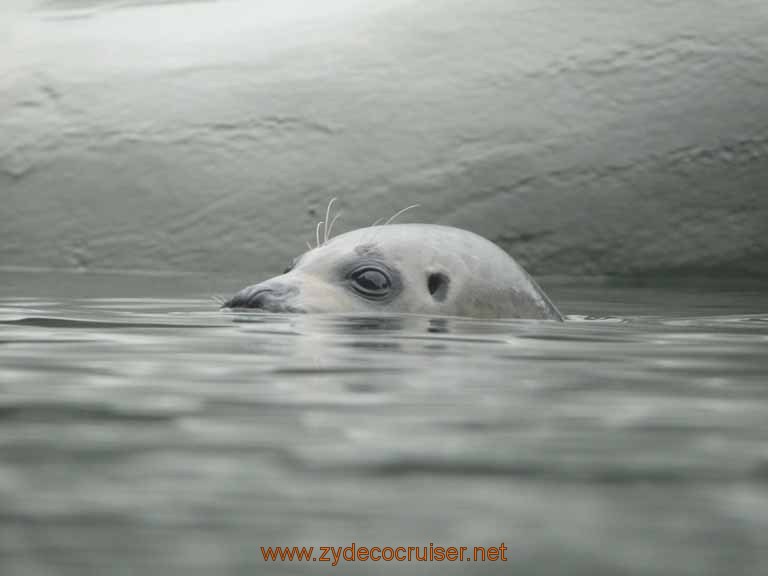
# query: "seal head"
[[403, 268]]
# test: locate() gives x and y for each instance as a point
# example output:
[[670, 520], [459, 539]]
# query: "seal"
[[402, 268]]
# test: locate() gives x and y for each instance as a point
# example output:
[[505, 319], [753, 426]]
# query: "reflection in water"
[[166, 436], [438, 326]]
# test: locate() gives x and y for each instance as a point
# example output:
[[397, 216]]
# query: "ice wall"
[[592, 137]]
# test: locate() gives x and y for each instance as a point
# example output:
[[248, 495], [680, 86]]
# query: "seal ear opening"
[[437, 284]]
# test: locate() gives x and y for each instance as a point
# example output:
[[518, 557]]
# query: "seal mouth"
[[273, 298]]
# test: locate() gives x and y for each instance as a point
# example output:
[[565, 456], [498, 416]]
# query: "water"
[[143, 431]]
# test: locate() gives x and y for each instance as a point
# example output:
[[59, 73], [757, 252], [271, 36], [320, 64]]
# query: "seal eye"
[[371, 283]]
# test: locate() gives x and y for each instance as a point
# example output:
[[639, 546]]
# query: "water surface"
[[143, 431]]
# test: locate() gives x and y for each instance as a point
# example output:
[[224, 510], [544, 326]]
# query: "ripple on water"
[[131, 426]]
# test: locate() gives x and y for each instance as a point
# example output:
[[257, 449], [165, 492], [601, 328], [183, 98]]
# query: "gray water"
[[143, 431]]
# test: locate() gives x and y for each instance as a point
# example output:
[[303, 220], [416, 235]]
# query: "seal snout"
[[269, 296]]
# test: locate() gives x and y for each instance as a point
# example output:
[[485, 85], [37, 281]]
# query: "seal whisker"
[[396, 214], [309, 245], [389, 221], [330, 227], [317, 233], [327, 218]]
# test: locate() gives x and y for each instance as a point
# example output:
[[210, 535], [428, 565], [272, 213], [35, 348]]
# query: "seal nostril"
[[437, 284], [258, 297], [248, 298], [272, 297]]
